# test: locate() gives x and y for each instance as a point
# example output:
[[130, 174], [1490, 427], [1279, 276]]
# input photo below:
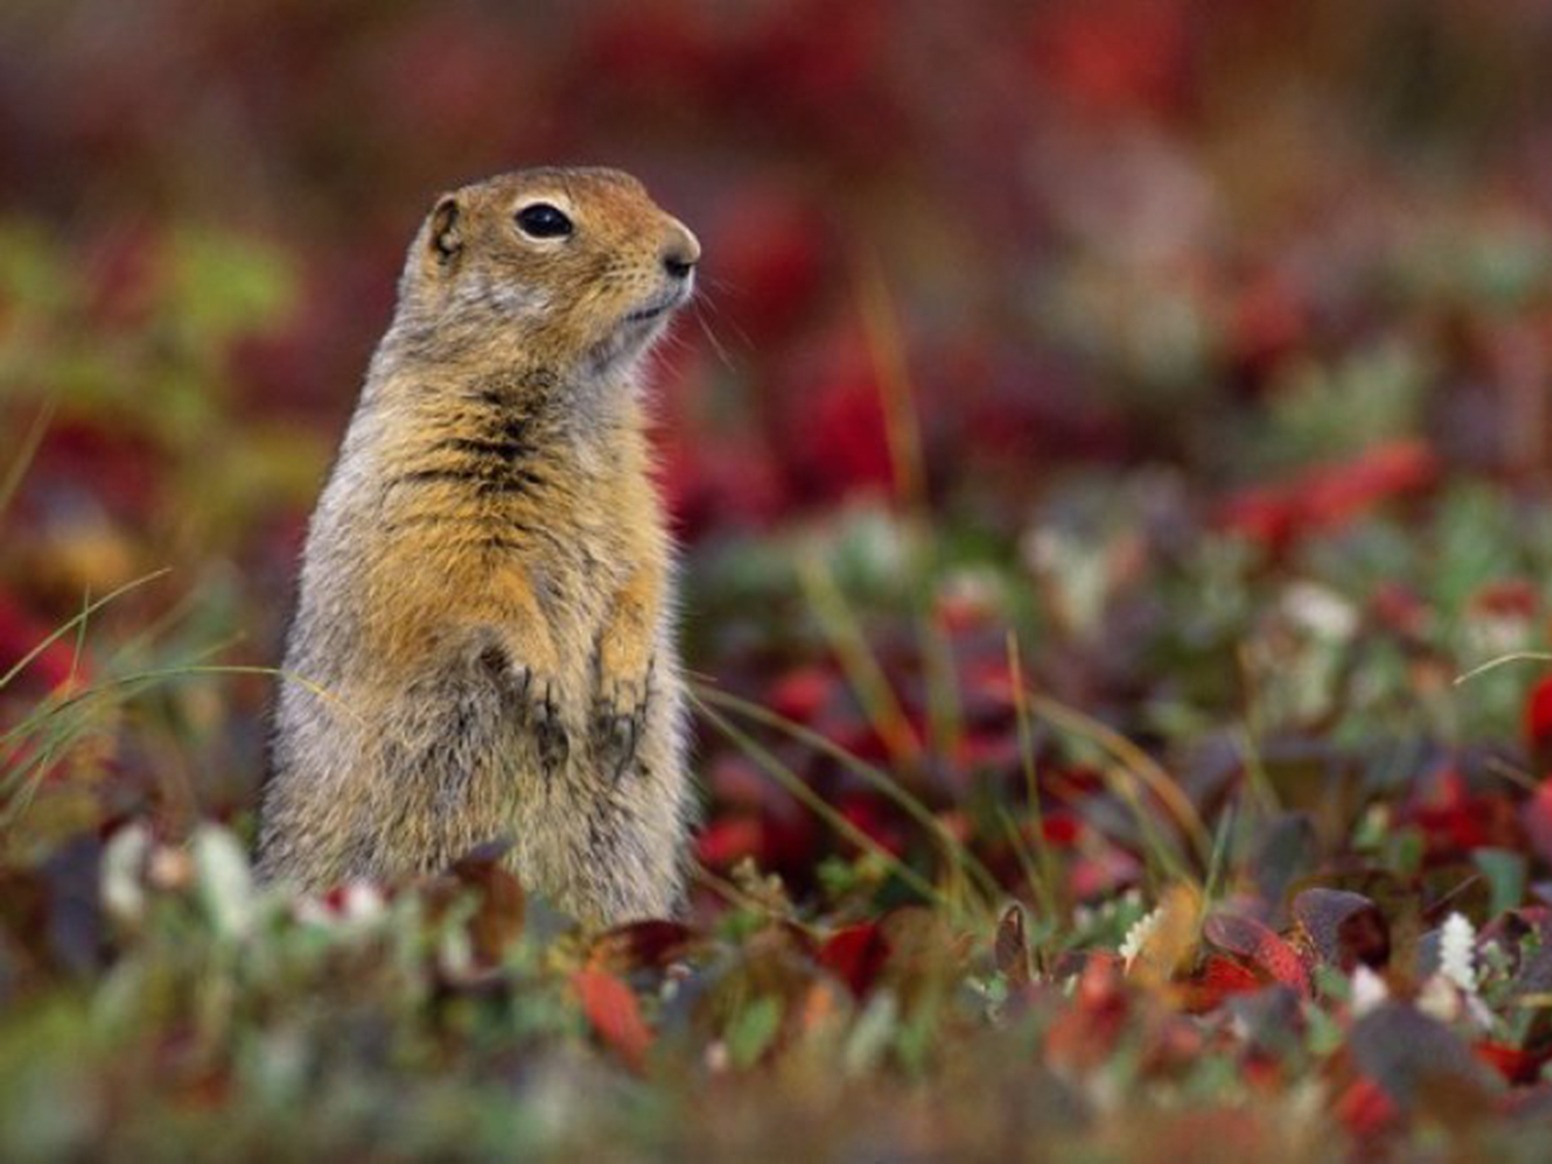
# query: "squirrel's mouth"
[[638, 329], [659, 307]]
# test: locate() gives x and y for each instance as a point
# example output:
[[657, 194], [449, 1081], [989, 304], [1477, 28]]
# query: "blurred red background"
[[1094, 235]]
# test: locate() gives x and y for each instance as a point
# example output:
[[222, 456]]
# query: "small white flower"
[[1457, 951], [1320, 610], [225, 882], [1439, 998], [1369, 991], [1137, 937], [360, 905], [364, 903], [123, 866]]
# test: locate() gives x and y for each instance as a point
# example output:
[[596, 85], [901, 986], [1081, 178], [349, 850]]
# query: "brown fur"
[[482, 644]]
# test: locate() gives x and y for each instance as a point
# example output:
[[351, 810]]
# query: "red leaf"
[[872, 816], [634, 945], [1538, 714], [1084, 1034], [1536, 817], [611, 1008], [726, 841], [1334, 495], [1365, 1108], [1268, 951], [856, 955], [1330, 496], [802, 693], [1513, 1063], [1218, 978]]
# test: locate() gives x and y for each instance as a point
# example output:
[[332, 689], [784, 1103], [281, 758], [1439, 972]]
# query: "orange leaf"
[[611, 1007]]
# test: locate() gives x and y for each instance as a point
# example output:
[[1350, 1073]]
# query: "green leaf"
[[753, 1029], [1505, 873]]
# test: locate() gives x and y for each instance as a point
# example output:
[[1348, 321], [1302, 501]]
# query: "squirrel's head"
[[574, 269]]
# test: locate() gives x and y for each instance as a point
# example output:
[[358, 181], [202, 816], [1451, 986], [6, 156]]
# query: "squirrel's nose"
[[681, 253]]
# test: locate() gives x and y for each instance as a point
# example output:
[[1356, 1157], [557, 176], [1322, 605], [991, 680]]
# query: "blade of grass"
[[1220, 854], [128, 683], [876, 778], [874, 693], [1027, 864], [86, 612], [11, 483], [902, 431], [1260, 782], [795, 785], [1045, 885], [62, 722], [50, 748], [887, 350], [1494, 664], [1143, 769]]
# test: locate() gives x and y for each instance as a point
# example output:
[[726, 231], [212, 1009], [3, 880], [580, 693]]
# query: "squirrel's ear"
[[447, 228]]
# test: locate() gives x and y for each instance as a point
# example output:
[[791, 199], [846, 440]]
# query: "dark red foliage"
[[1262, 947], [856, 955], [651, 944], [1214, 981], [1269, 322], [729, 839], [1455, 818], [875, 818], [831, 430], [770, 262], [1365, 1109], [1515, 1064], [1113, 57], [802, 693], [1538, 716], [1536, 818], [21, 634], [1084, 1034], [1331, 496], [1342, 929], [1398, 607]]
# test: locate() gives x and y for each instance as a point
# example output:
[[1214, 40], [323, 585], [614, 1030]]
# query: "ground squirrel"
[[482, 644]]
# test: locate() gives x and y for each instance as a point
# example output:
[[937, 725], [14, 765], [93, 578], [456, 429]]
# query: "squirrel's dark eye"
[[541, 220]]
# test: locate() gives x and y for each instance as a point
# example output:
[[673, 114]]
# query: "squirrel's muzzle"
[[681, 252]]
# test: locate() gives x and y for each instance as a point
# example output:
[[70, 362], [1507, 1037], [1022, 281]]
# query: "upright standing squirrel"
[[482, 645]]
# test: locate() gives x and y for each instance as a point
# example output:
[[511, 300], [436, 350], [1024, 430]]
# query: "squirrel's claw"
[[615, 739], [619, 718], [543, 714]]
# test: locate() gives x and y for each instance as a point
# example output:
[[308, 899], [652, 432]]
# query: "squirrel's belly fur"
[[482, 647]]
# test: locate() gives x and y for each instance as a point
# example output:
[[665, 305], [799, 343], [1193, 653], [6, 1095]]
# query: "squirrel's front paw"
[[542, 712], [619, 718]]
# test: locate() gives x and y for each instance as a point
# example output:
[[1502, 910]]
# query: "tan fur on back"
[[482, 646]]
